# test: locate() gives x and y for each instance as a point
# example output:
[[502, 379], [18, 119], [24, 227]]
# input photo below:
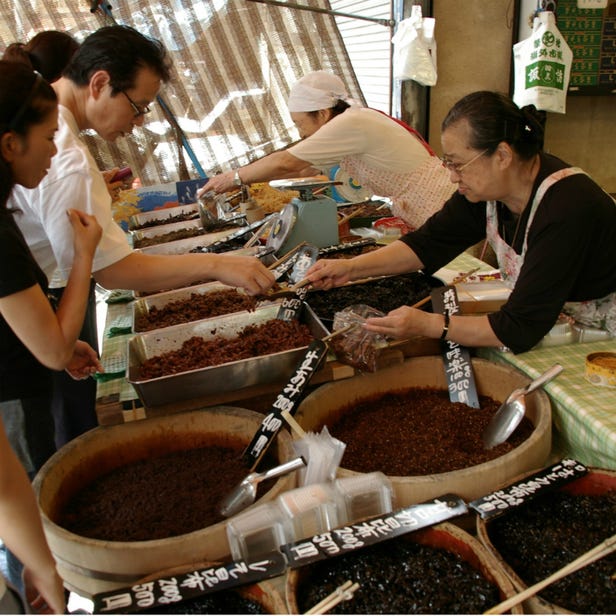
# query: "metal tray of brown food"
[[179, 247], [150, 232], [163, 216], [369, 215], [215, 379], [143, 306]]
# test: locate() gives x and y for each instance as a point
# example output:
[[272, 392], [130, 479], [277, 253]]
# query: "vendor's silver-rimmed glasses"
[[458, 168], [139, 111]]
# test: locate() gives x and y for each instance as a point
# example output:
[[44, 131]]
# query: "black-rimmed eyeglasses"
[[139, 111]]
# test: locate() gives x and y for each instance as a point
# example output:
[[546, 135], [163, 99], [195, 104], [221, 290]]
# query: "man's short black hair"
[[121, 51]]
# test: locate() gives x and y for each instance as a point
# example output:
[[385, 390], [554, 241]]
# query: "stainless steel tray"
[[162, 215], [215, 379], [143, 306]]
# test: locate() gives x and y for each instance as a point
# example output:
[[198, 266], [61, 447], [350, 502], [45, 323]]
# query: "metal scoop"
[[245, 492], [510, 413]]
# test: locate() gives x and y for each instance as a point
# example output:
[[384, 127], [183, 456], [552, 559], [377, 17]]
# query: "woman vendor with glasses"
[[553, 230]]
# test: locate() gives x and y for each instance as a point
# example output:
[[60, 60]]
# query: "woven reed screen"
[[234, 62]]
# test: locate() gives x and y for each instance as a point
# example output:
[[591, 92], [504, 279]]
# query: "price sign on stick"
[[458, 366], [287, 400], [499, 502]]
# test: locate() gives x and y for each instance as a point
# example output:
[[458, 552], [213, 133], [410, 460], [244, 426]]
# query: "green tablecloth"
[[584, 415]]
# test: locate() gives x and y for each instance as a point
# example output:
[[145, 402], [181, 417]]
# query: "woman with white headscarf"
[[381, 154]]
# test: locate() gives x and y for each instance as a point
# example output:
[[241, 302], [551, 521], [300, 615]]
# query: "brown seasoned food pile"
[[400, 577], [253, 341], [269, 198], [180, 234], [418, 431], [366, 210], [384, 294], [198, 306], [155, 222], [552, 530], [158, 497]]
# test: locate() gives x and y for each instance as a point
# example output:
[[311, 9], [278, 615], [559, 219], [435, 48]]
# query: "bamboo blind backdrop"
[[233, 64]]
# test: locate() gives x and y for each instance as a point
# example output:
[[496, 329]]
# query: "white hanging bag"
[[415, 49], [542, 66]]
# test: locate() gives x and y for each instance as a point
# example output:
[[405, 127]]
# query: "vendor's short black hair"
[[121, 51], [493, 117]]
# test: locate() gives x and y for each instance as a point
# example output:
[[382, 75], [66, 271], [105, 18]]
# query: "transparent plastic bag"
[[357, 347]]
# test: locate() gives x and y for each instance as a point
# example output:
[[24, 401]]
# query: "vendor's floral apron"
[[415, 195], [598, 313]]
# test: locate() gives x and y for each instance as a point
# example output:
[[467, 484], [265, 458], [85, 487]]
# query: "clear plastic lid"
[[364, 496], [256, 531]]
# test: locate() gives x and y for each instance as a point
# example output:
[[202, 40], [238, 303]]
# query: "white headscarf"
[[317, 90]]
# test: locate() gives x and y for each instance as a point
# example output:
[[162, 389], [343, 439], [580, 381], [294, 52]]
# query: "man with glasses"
[[108, 87]]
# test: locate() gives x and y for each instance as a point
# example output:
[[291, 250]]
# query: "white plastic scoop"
[[245, 492], [510, 413]]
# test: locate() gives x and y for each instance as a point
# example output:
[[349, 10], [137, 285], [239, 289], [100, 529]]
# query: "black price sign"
[[287, 400], [458, 365], [215, 246], [517, 494], [349, 538], [291, 306], [176, 588]]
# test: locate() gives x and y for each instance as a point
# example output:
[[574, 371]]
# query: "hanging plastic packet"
[[415, 49], [542, 66], [358, 348], [323, 453]]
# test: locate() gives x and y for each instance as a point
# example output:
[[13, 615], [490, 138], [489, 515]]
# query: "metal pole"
[[106, 9], [389, 23]]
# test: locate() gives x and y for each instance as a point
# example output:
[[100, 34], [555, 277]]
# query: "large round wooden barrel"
[[596, 482], [327, 403], [89, 566], [445, 536]]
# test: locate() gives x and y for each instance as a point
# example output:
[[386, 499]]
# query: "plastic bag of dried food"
[[357, 347]]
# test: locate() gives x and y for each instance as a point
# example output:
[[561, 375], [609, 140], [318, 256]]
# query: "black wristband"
[[445, 327]]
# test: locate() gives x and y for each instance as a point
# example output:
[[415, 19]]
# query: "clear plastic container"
[[561, 333], [590, 334], [309, 510], [364, 496], [256, 532]]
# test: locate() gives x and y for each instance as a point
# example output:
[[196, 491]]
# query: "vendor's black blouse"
[[21, 374], [571, 253]]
